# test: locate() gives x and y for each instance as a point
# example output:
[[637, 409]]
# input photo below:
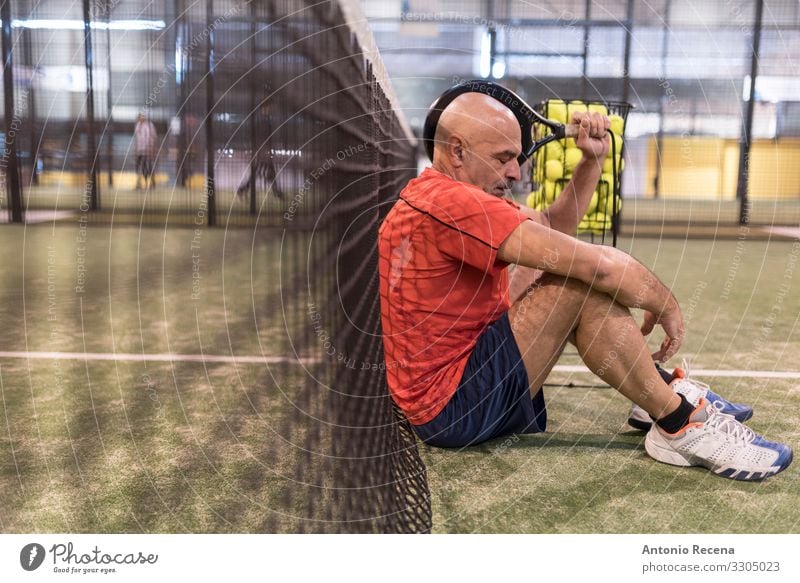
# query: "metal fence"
[[219, 85], [700, 130]]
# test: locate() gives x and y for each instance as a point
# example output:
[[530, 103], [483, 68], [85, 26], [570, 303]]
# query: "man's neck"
[[446, 171]]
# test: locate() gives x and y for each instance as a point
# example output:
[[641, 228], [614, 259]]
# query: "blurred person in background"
[[145, 141], [262, 166]]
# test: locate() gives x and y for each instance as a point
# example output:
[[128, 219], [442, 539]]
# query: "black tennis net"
[[355, 460], [275, 115]]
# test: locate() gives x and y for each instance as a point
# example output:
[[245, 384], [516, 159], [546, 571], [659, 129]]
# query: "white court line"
[[793, 232], [32, 217], [121, 356], [706, 372]]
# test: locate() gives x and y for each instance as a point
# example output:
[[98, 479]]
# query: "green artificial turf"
[[130, 446], [148, 446]]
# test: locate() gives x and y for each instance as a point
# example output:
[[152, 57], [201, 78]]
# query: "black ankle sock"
[[678, 418], [667, 376]]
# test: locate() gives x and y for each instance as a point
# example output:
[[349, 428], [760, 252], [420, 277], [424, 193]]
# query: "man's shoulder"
[[434, 190], [423, 196]]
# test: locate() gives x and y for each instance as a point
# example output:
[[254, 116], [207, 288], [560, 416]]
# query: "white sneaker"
[[639, 419], [720, 443], [693, 390]]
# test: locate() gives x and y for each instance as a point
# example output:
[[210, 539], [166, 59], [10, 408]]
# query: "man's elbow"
[[606, 270], [547, 219]]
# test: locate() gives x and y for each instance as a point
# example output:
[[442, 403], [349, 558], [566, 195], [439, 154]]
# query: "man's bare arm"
[[573, 202], [603, 268], [571, 205], [534, 215]]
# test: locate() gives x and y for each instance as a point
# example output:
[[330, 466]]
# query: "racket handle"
[[571, 130]]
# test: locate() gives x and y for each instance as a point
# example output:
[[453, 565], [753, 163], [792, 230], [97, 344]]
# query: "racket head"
[[527, 117]]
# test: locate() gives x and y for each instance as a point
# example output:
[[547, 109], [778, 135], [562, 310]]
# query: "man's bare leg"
[[557, 309], [520, 279]]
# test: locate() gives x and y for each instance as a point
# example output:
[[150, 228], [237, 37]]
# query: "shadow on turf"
[[633, 440]]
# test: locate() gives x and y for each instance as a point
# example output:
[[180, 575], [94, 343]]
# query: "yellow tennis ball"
[[554, 170], [532, 199], [593, 203], [554, 151], [608, 178], [616, 146], [608, 166], [601, 221], [617, 124], [571, 143], [571, 158], [612, 205], [552, 190], [598, 108], [549, 191], [577, 105], [557, 110]]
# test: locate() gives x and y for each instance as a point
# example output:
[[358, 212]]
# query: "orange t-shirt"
[[441, 285]]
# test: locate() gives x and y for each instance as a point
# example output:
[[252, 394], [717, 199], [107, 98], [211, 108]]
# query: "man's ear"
[[455, 151]]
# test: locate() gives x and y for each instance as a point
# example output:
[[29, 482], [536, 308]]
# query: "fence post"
[[27, 51], [186, 159], [88, 56], [587, 15], [11, 161], [747, 124], [254, 89], [108, 135], [626, 72], [210, 182], [662, 100]]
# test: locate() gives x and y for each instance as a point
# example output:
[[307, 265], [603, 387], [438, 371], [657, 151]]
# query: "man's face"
[[490, 162]]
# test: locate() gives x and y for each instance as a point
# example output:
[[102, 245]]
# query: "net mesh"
[[355, 463], [329, 154], [272, 114]]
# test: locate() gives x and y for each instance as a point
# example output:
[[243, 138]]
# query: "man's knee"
[[559, 288]]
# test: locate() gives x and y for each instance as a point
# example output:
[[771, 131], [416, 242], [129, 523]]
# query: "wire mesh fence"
[[714, 88], [274, 114]]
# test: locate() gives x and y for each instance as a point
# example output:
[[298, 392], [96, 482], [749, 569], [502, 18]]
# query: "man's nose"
[[513, 171]]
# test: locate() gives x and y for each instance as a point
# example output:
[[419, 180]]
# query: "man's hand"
[[593, 139], [671, 320], [573, 202]]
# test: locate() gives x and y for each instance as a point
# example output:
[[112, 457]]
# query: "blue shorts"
[[492, 399]]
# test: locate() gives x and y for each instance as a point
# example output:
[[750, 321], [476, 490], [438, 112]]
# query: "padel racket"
[[537, 130]]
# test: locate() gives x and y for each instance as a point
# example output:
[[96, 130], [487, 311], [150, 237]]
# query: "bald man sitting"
[[467, 351]]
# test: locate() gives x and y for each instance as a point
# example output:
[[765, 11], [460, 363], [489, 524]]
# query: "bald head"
[[472, 115], [477, 141]]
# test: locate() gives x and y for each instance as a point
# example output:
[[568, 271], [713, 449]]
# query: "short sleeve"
[[473, 225]]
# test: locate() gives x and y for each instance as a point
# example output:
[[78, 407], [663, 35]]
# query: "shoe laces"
[[738, 432], [688, 377]]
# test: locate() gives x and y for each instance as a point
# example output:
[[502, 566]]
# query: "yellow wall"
[[706, 167], [775, 169], [121, 179]]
